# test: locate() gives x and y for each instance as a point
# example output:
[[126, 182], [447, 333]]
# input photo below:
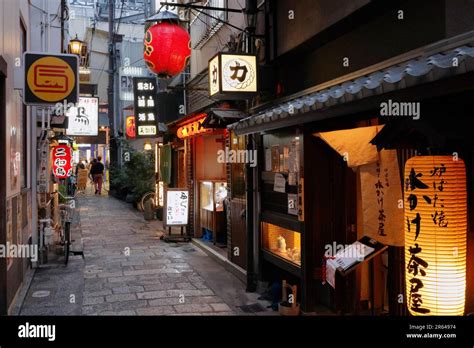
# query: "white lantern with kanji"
[[435, 235]]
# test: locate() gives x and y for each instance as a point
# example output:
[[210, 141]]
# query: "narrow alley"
[[234, 171], [128, 270]]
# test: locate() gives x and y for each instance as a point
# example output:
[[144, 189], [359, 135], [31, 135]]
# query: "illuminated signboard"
[[233, 76], [192, 128], [50, 79], [145, 105], [176, 206], [84, 118]]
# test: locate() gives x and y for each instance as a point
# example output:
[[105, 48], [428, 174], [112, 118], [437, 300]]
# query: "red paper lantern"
[[130, 127], [62, 161], [167, 49]]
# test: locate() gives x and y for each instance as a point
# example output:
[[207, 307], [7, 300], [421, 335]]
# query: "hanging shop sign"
[[50, 79], [167, 49], [233, 76], [176, 207], [193, 128], [381, 193], [130, 129], [84, 118], [435, 235], [145, 102], [62, 161]]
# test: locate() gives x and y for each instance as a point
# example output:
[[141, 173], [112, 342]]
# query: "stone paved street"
[[128, 270]]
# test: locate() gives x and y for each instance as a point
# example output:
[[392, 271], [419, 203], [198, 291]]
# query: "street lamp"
[[75, 46], [147, 146], [251, 13]]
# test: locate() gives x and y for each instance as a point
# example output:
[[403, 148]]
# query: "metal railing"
[[203, 26]]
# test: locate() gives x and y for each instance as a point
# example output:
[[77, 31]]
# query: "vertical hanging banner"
[[435, 235], [145, 105], [62, 161], [381, 192]]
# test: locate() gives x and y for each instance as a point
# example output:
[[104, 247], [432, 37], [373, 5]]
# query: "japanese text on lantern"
[[417, 267], [62, 157], [380, 185]]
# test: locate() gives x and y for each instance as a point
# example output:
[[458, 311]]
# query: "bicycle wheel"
[[67, 241], [146, 196]]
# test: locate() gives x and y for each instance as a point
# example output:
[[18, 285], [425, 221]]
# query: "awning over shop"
[[221, 118], [410, 134], [431, 63]]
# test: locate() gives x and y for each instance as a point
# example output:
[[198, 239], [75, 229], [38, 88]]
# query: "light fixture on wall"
[[75, 46], [79, 48], [435, 235], [251, 13], [147, 146]]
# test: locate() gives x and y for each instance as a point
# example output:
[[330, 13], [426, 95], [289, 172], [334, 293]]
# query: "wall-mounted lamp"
[[147, 146], [75, 46]]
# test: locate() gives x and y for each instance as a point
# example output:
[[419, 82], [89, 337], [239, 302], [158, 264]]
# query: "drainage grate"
[[253, 308]]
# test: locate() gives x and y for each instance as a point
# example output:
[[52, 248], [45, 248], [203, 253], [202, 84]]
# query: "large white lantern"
[[435, 235]]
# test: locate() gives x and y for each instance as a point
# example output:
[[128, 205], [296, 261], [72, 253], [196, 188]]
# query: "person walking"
[[89, 167], [97, 172]]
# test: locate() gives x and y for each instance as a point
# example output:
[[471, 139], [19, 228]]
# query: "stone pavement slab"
[[128, 270]]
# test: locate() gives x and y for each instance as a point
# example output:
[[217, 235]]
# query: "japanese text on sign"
[[145, 103], [176, 207], [62, 161]]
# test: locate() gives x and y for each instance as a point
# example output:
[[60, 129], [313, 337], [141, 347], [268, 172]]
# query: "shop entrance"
[[238, 206], [334, 211], [211, 191]]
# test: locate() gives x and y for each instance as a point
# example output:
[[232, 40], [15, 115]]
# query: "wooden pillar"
[[3, 185]]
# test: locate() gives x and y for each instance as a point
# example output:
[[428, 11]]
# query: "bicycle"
[[67, 211], [141, 203]]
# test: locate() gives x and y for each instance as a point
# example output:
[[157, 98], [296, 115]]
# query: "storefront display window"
[[282, 242], [213, 194], [281, 173]]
